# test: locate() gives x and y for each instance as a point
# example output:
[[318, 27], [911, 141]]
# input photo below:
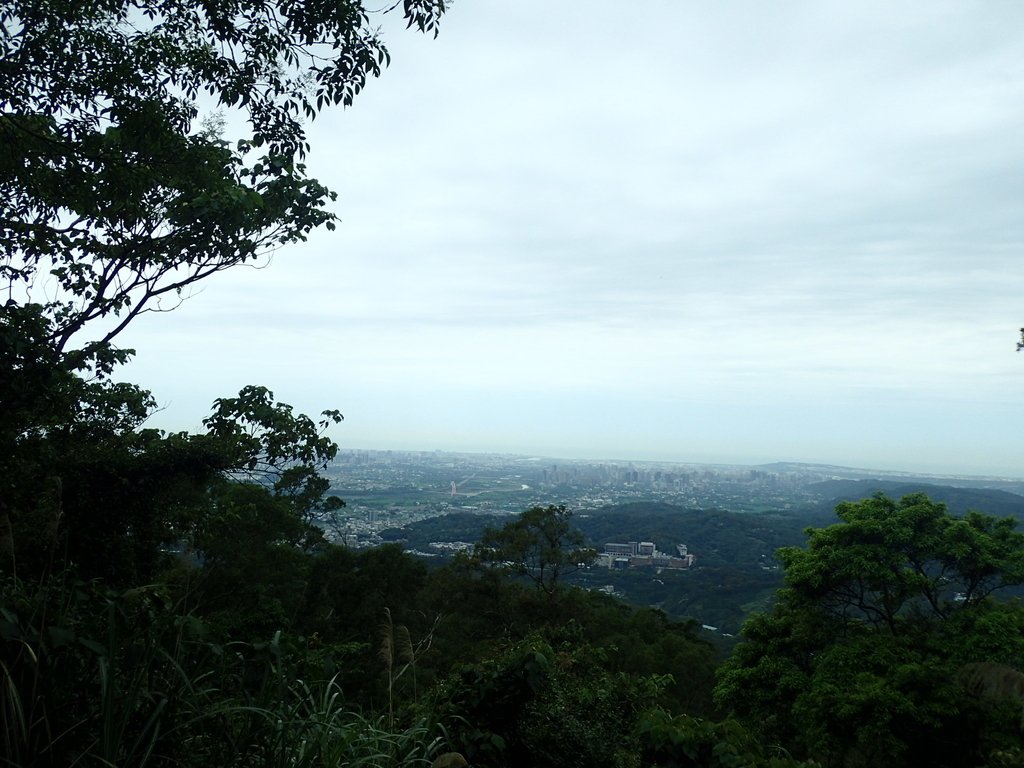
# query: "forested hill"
[[735, 570], [958, 500], [457, 526], [716, 536]]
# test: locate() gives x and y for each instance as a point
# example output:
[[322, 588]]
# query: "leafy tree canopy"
[[540, 544], [858, 661], [112, 202], [115, 199]]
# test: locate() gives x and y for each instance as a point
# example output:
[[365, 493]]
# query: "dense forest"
[[172, 598], [735, 573]]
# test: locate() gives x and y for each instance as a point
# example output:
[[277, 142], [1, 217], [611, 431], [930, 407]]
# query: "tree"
[[545, 704], [858, 661], [112, 203], [116, 200], [540, 544], [675, 742], [99, 491], [269, 444], [255, 561]]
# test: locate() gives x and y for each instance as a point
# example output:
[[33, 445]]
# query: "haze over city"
[[723, 232]]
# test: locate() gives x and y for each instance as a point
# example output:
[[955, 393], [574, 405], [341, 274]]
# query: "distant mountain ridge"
[[959, 500], [797, 466], [841, 473]]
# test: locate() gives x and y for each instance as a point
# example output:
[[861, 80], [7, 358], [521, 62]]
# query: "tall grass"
[[92, 677], [315, 728]]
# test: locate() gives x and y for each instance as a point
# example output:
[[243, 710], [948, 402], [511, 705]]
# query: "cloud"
[[716, 212]]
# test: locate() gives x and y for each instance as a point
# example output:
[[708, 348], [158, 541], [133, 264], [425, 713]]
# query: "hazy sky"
[[731, 231]]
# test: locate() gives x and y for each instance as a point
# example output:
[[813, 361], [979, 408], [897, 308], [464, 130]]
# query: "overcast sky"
[[730, 231]]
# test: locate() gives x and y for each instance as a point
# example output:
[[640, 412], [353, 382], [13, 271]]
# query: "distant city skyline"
[[736, 233], [789, 465]]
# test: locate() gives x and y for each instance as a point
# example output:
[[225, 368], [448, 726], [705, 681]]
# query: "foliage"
[[735, 571], [268, 443], [115, 201], [719, 538], [646, 642], [346, 594], [254, 569], [111, 501], [453, 526], [93, 676], [540, 544], [690, 742], [959, 500], [543, 705], [115, 500], [908, 560], [478, 608], [858, 660], [252, 639], [112, 203], [312, 725], [266, 437]]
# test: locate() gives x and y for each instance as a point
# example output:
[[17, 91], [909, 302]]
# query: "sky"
[[734, 232]]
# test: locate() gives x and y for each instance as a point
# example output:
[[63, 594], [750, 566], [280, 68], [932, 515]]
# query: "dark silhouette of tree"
[[116, 200], [539, 544], [113, 199], [858, 661]]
